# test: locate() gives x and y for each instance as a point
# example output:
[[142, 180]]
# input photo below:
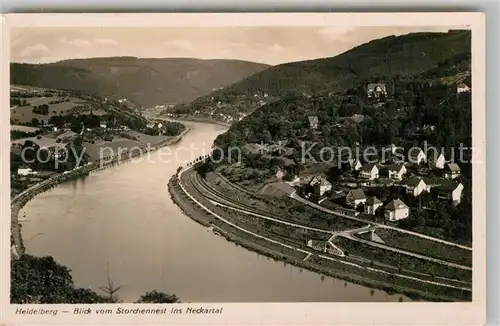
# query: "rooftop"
[[414, 181], [358, 193], [396, 204], [373, 200], [368, 167], [453, 167]]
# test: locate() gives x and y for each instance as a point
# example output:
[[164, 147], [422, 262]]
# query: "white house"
[[372, 204], [280, 174], [396, 210], [452, 191], [415, 186], [376, 90], [463, 88], [355, 198], [313, 122], [452, 171], [436, 160], [417, 156], [396, 171], [25, 171], [320, 185], [369, 171], [103, 125], [355, 164]]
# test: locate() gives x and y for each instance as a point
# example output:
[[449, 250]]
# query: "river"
[[123, 217]]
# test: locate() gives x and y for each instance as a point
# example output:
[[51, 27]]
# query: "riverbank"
[[18, 202], [340, 271], [201, 120]]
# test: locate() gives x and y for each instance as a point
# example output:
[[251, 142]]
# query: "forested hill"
[[394, 56], [405, 55], [420, 108], [145, 82]]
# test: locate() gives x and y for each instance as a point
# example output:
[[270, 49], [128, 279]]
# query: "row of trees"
[[14, 101], [41, 109]]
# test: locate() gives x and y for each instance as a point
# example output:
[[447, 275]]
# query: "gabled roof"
[[413, 182], [358, 118], [357, 194], [448, 186], [373, 200], [433, 156], [453, 167], [371, 87], [313, 119], [319, 180], [396, 204], [368, 167], [354, 161], [414, 152]]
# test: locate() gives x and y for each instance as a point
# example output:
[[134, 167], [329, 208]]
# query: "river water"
[[123, 218]]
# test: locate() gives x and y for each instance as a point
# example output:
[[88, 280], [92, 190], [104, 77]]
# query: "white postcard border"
[[473, 313]]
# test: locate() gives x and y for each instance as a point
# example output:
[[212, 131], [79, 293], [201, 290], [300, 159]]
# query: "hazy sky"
[[272, 45]]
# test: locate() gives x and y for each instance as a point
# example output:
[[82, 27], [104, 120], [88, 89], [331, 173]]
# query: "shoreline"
[[246, 242], [201, 120], [21, 199]]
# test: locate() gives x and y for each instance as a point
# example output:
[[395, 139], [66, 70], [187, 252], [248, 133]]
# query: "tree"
[[110, 289], [41, 280], [157, 297]]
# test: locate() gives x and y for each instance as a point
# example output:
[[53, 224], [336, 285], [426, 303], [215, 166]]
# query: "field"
[[285, 208], [426, 247], [405, 262], [24, 114]]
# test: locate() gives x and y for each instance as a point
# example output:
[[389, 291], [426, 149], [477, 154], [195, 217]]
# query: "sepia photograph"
[[308, 163]]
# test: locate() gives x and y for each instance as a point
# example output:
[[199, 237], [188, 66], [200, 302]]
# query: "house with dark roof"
[[416, 156], [415, 186], [396, 171], [436, 160], [452, 171], [372, 204], [451, 191], [463, 88], [355, 164], [320, 185], [355, 198], [376, 90], [369, 171], [396, 210]]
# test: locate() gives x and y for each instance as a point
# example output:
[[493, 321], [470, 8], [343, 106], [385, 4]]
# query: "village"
[[391, 185], [48, 121]]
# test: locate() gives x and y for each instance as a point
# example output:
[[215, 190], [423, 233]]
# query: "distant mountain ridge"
[[145, 82]]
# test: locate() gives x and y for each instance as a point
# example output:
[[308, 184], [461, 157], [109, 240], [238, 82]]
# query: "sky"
[[270, 45]]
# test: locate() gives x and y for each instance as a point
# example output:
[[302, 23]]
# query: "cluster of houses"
[[447, 188]]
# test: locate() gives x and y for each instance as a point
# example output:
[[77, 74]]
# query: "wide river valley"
[[123, 218]]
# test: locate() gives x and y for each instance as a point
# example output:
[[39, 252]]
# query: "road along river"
[[123, 217]]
